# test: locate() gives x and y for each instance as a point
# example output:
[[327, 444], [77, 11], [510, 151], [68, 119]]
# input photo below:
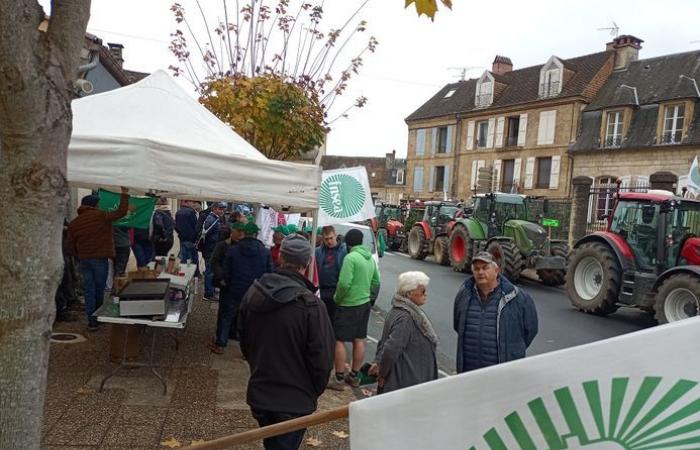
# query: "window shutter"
[[496, 175], [450, 138], [470, 135], [500, 125], [516, 171], [542, 128], [554, 173], [479, 164], [418, 179], [474, 175], [431, 186], [522, 130], [551, 126], [529, 172], [434, 141], [446, 181], [420, 141], [491, 132]]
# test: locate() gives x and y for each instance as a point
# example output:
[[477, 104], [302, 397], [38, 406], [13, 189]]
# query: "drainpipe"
[[91, 65]]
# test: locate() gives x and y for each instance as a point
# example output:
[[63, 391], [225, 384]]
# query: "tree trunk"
[[37, 69]]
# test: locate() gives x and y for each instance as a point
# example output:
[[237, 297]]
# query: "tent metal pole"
[[314, 223]]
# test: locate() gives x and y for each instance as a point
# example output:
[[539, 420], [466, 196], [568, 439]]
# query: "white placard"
[[345, 196]]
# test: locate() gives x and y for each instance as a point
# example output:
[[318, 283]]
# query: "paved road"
[[560, 325]]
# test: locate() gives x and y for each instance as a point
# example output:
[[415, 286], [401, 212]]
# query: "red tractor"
[[649, 257], [431, 234], [388, 225]]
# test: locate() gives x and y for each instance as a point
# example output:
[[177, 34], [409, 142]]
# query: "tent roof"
[[152, 135]]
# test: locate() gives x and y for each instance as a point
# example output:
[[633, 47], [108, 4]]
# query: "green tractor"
[[502, 225]]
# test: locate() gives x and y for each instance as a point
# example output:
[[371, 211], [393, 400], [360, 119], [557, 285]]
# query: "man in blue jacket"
[[494, 320], [186, 227], [245, 262], [214, 230], [329, 260]]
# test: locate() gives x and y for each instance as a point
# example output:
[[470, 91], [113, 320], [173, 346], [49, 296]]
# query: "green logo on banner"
[[341, 196], [651, 416]]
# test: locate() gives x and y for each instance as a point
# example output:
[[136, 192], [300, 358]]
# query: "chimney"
[[116, 51], [501, 65], [626, 48]]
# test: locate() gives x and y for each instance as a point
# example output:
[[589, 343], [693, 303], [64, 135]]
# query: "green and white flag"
[[640, 391], [694, 177], [140, 209], [345, 196]]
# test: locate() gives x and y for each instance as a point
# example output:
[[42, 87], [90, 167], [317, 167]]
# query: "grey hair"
[[409, 281]]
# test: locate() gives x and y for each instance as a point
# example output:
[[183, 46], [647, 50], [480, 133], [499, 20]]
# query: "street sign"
[[554, 223]]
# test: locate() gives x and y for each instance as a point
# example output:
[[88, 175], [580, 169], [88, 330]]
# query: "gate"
[[601, 200]]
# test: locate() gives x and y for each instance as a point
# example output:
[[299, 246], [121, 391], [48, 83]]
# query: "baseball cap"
[[484, 257]]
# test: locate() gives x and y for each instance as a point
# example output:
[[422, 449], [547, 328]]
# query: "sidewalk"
[[205, 399]]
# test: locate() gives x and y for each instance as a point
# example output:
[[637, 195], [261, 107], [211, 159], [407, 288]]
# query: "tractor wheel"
[[678, 298], [403, 247], [508, 257], [417, 243], [441, 251], [593, 279], [381, 241], [461, 249], [553, 277]]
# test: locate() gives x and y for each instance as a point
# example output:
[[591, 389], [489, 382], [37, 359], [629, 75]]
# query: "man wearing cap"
[[358, 276], [280, 232], [245, 262], [90, 239], [495, 321], [287, 339], [214, 230]]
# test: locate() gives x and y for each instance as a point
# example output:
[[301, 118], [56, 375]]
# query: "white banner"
[[345, 196], [694, 177], [633, 392]]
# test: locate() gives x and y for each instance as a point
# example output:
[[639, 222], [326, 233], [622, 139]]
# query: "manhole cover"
[[67, 338]]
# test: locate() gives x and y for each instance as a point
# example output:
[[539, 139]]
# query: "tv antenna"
[[463, 71], [614, 30]]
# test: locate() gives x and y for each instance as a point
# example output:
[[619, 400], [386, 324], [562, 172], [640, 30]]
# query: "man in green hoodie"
[[358, 276]]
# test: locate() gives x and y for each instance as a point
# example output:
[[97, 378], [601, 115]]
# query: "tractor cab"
[[430, 235], [388, 226], [438, 215]]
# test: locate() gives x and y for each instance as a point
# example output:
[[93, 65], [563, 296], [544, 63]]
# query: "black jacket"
[[186, 224], [217, 261], [288, 341]]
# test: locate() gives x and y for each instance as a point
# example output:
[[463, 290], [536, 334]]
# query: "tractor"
[[502, 225], [430, 235], [387, 225], [649, 257]]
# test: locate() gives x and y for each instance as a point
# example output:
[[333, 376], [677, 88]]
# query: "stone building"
[[517, 123], [395, 188], [643, 127]]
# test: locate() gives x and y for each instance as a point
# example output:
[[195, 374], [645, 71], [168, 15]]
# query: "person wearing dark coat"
[[406, 352], [245, 262], [213, 232], [163, 228], [495, 321], [287, 340], [186, 227]]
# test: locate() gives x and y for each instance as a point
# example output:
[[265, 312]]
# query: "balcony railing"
[[613, 141], [483, 100], [672, 137], [550, 89]]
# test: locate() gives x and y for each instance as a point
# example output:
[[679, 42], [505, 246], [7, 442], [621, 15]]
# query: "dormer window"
[[551, 78], [450, 93], [484, 91]]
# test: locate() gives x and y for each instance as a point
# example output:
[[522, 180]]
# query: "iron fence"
[[601, 201]]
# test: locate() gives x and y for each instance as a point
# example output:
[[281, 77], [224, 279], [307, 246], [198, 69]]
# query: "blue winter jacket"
[[245, 262], [516, 322], [186, 224], [328, 276]]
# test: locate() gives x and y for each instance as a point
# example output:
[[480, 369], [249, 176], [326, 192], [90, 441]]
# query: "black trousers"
[[287, 441]]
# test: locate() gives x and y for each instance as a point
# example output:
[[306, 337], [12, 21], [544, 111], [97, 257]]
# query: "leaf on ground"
[[367, 392], [340, 434], [313, 442], [86, 391], [197, 441], [172, 443]]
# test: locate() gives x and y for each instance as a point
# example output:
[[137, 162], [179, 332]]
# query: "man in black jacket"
[[186, 227], [288, 341]]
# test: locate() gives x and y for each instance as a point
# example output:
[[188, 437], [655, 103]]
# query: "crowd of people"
[[294, 333]]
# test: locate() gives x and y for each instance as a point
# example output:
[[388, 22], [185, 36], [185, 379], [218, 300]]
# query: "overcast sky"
[[415, 55]]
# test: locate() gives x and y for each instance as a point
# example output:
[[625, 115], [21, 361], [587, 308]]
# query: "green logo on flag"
[[341, 196], [140, 209], [649, 416]]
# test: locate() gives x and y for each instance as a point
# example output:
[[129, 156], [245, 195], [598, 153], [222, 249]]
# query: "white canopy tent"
[[153, 136]]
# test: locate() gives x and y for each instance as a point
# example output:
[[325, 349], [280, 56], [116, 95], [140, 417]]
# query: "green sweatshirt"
[[358, 275]]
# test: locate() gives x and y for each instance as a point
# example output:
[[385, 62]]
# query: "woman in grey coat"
[[406, 353]]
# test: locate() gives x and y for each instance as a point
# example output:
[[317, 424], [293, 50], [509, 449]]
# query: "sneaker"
[[92, 327], [215, 348], [352, 380], [209, 298], [336, 384]]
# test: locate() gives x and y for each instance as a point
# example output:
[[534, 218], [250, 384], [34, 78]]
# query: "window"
[[673, 124], [513, 129], [418, 179], [551, 78], [606, 190], [507, 184], [482, 129], [544, 172], [545, 134], [442, 139], [613, 131], [399, 176], [420, 142], [439, 179], [484, 94], [450, 93]]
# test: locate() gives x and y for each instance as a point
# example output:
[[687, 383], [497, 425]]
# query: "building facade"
[[513, 125], [395, 188], [643, 128]]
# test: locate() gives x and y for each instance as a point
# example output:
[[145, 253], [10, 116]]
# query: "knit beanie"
[[296, 250], [353, 238], [90, 200]]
